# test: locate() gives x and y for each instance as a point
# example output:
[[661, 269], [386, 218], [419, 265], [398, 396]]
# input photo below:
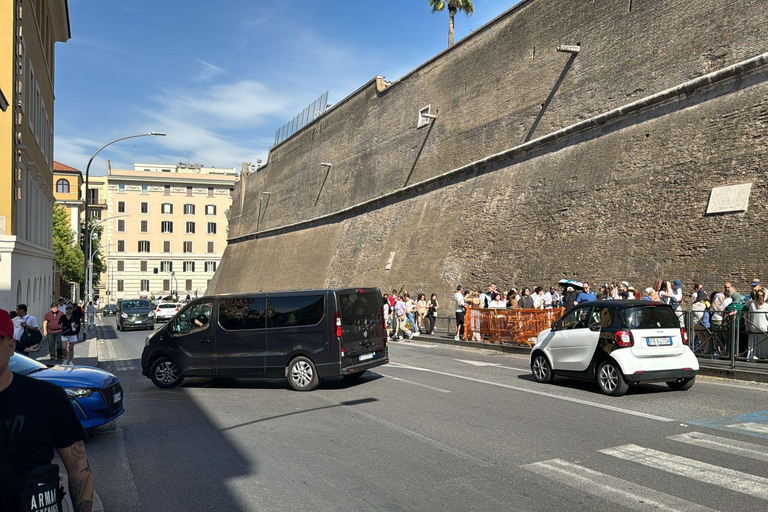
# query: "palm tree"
[[453, 7]]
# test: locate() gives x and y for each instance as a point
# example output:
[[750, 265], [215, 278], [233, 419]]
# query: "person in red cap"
[[35, 418]]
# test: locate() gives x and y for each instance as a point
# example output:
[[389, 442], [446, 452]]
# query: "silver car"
[[166, 310]]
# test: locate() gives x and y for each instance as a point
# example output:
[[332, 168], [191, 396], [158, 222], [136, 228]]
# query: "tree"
[[67, 256], [453, 6], [95, 230]]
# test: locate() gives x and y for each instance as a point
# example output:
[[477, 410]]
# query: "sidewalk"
[[86, 353], [750, 371]]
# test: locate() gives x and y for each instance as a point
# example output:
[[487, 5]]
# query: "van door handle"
[[204, 341]]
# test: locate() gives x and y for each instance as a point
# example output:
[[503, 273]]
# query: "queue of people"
[[406, 317]]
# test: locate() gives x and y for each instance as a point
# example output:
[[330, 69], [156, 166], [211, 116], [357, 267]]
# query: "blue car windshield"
[[24, 365]]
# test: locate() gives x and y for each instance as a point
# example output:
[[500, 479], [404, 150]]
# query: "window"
[[189, 319], [121, 246], [211, 228], [577, 319], [210, 266], [120, 285], [121, 226], [121, 207], [166, 284], [189, 266], [121, 188], [144, 207], [231, 192], [166, 190], [210, 191], [62, 186], [189, 284], [144, 226], [121, 265], [167, 246], [166, 226], [143, 245], [167, 208], [210, 248], [95, 214], [210, 209], [187, 246], [358, 309], [166, 266], [189, 209], [145, 189], [650, 317], [239, 314], [189, 191], [293, 311], [190, 227], [143, 265], [145, 285]]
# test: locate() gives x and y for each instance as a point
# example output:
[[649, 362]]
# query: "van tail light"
[[623, 338], [342, 351], [684, 335], [337, 324]]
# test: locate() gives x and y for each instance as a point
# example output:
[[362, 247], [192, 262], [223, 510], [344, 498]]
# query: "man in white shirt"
[[28, 323], [458, 297]]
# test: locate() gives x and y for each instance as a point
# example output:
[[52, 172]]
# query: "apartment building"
[[165, 229], [29, 31], [67, 192]]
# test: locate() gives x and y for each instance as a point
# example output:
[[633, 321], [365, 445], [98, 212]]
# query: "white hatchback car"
[[617, 343], [166, 310]]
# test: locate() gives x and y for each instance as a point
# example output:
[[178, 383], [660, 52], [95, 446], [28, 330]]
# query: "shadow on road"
[[592, 387]]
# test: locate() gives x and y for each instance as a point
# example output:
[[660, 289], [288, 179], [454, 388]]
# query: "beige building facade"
[[67, 192], [165, 229], [29, 31]]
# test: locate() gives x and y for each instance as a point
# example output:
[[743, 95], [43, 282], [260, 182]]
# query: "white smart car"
[[617, 343], [166, 310]]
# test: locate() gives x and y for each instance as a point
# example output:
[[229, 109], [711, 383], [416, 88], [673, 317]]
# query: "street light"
[[86, 239], [88, 277]]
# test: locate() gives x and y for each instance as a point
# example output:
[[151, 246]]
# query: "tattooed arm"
[[79, 475]]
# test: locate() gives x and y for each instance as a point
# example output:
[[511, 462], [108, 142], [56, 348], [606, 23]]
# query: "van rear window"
[[650, 317], [360, 309]]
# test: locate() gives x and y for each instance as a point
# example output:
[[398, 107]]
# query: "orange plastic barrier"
[[516, 326]]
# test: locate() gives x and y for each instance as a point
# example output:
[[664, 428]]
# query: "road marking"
[[609, 488], [759, 428], [540, 393], [755, 386], [477, 363], [416, 383], [93, 348], [721, 444], [731, 479]]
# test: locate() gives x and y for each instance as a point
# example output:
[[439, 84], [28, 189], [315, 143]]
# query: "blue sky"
[[221, 77]]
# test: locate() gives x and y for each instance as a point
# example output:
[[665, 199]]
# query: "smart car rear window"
[[650, 317]]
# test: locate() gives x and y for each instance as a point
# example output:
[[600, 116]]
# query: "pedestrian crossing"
[[629, 494]]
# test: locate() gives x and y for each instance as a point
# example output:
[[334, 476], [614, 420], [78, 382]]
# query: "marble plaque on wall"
[[733, 198]]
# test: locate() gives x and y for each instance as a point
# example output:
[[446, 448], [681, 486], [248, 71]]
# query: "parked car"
[[166, 310], [617, 343], [302, 335], [135, 314], [109, 309], [96, 395]]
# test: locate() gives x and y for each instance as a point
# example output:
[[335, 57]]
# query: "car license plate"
[[659, 342], [365, 357], [117, 397]]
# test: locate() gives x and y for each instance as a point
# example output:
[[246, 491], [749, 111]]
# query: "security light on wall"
[[425, 115], [569, 48]]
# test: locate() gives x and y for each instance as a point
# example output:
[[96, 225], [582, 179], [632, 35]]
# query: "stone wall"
[[622, 201]]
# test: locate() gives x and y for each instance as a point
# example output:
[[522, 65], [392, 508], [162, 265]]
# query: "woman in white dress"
[[758, 327]]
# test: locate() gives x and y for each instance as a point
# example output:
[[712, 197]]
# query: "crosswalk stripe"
[[721, 444], [759, 428], [612, 489], [744, 483]]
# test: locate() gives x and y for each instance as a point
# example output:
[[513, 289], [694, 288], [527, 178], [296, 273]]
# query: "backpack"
[[41, 490]]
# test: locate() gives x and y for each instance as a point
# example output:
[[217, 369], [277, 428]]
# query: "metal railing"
[[736, 336]]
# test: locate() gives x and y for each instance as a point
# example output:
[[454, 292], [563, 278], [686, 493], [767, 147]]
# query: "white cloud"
[[209, 71]]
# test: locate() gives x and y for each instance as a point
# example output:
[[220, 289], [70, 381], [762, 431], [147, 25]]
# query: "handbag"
[[41, 490], [31, 338]]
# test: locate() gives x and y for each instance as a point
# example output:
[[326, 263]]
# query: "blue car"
[[96, 395]]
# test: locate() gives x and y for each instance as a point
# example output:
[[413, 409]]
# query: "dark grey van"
[[302, 335], [134, 314]]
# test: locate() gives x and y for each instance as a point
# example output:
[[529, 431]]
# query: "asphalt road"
[[440, 428]]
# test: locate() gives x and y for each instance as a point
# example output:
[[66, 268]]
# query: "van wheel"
[[541, 369], [165, 374], [302, 374], [682, 384], [610, 379]]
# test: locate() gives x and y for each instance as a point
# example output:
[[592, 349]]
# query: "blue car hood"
[[75, 377]]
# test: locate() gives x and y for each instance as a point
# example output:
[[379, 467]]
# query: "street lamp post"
[[86, 239], [88, 277]]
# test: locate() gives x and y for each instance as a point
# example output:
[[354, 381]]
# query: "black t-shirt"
[[35, 418], [69, 326]]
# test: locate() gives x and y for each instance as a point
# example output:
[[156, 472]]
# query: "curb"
[[705, 369]]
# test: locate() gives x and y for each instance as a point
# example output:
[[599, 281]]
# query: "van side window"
[[195, 318], [238, 314], [295, 311]]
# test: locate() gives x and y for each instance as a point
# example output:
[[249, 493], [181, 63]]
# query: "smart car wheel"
[[682, 384], [542, 371], [165, 374], [610, 379], [302, 374]]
